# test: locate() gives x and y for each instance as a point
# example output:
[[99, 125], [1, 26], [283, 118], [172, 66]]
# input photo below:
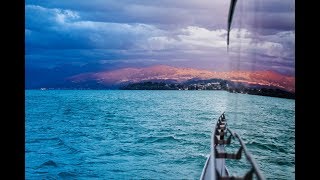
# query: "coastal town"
[[216, 84]]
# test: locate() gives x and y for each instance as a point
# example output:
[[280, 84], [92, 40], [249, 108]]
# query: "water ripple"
[[151, 134]]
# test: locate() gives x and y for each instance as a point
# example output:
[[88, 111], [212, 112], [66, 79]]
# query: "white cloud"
[[194, 36], [65, 15], [187, 39]]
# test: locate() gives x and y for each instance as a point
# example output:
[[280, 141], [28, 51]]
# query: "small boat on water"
[[215, 166]]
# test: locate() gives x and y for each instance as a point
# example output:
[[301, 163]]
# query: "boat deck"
[[215, 166]]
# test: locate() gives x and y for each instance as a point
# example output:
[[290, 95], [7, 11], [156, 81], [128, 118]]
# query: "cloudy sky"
[[182, 33]]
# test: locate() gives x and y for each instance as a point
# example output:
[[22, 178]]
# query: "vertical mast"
[[230, 16]]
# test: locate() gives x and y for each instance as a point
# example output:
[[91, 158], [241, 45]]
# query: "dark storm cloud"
[[205, 13], [188, 32]]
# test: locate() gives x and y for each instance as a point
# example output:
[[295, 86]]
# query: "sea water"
[[119, 134]]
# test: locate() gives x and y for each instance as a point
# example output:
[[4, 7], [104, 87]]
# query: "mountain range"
[[164, 73]]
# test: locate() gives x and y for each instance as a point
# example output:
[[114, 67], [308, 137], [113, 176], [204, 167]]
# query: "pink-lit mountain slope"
[[168, 73]]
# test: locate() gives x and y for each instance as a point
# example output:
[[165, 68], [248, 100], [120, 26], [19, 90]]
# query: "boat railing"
[[221, 130]]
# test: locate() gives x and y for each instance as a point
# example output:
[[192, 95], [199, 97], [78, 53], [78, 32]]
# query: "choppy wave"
[[66, 175], [133, 135], [164, 139], [49, 163], [270, 147]]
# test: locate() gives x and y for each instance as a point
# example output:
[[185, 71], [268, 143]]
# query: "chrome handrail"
[[255, 168], [248, 155]]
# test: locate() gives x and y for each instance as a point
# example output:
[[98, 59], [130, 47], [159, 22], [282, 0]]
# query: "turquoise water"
[[151, 134]]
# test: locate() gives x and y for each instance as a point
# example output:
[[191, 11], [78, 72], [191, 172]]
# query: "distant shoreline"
[[212, 85], [190, 85], [291, 96]]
